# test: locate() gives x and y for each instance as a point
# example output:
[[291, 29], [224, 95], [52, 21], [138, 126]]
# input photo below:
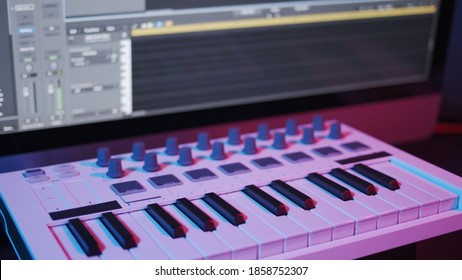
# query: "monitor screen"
[[67, 63]]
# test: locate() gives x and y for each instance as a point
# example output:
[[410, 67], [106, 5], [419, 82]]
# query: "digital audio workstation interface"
[[68, 62]]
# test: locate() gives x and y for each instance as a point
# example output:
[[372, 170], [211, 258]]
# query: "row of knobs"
[[218, 148]]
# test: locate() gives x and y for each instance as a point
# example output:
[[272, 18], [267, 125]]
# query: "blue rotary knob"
[[279, 141], [234, 136], [171, 145], [318, 123], [250, 146], [185, 158], [308, 136], [138, 151], [291, 127], [103, 155], [115, 168], [151, 163], [203, 141], [263, 132], [218, 151], [335, 130]]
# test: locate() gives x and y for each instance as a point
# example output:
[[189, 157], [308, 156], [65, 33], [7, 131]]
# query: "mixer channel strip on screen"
[[311, 190]]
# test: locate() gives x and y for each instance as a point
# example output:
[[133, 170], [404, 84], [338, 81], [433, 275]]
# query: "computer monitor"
[[81, 71]]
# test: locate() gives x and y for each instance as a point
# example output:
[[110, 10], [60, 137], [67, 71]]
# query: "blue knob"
[[308, 136], [150, 162], [250, 146], [139, 151], [263, 132], [279, 141], [115, 168], [234, 136], [185, 158], [218, 151], [203, 141], [335, 130], [103, 156], [318, 123], [291, 127], [171, 146]]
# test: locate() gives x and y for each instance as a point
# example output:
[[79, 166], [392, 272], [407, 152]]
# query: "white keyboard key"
[[342, 225], [70, 245], [205, 242], [147, 249], [242, 246], [365, 219], [429, 204], [448, 200], [111, 249], [175, 248], [387, 213], [295, 237], [318, 229], [270, 242], [408, 209]]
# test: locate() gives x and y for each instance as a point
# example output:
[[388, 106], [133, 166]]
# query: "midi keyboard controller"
[[320, 190]]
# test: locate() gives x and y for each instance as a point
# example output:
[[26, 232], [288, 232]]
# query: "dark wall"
[[452, 89]]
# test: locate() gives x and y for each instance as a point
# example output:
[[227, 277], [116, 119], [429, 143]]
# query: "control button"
[[267, 201], [225, 209], [297, 157], [126, 188], [263, 132], [234, 169], [53, 65], [103, 156], [218, 151], [291, 127], [201, 219], [150, 162], [115, 168], [171, 146], [355, 146], [200, 175], [250, 146], [234, 136], [265, 163], [165, 181], [138, 151], [33, 172], [37, 179], [64, 168], [185, 158], [68, 174], [279, 142], [318, 123], [28, 67], [327, 152], [166, 221], [308, 136], [335, 130], [330, 186], [203, 141]]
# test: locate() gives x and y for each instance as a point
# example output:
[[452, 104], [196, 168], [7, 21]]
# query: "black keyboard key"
[[165, 220], [377, 176], [330, 186], [293, 194], [270, 203], [84, 237], [354, 181], [118, 230], [225, 209], [202, 220]]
